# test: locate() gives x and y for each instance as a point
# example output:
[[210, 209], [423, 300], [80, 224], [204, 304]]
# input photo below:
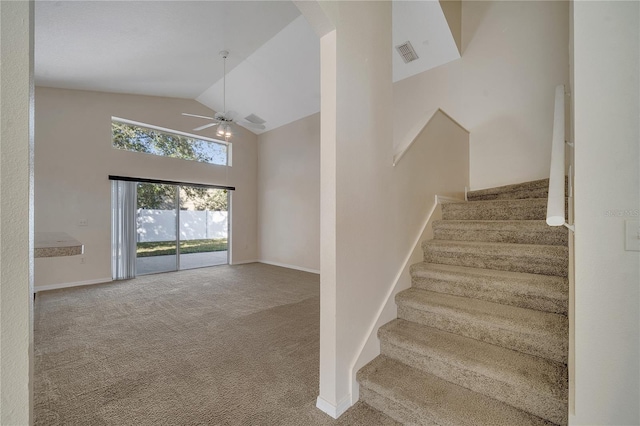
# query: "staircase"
[[481, 337]]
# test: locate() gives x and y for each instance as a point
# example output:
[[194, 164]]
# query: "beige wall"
[[371, 212], [514, 54], [436, 164], [289, 195], [606, 93], [355, 162], [73, 158], [16, 220]]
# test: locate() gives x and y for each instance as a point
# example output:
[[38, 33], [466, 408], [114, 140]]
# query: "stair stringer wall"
[[434, 169]]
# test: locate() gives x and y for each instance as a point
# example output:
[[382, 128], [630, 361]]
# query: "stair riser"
[[521, 397], [550, 237], [534, 189], [530, 210], [542, 346], [511, 195], [389, 407], [414, 397], [514, 262], [492, 293]]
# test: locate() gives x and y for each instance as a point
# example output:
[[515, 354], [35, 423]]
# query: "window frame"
[[228, 144]]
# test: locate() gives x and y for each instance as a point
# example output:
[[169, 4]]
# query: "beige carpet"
[[229, 345], [482, 335]]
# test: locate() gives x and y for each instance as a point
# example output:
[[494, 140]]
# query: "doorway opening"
[[180, 227]]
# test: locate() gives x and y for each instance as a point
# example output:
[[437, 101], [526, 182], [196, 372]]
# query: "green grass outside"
[[163, 248]]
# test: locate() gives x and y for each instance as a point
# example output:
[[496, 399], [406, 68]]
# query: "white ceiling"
[[279, 82], [424, 24], [170, 48]]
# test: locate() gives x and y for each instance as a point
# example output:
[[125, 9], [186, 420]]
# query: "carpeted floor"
[[229, 345]]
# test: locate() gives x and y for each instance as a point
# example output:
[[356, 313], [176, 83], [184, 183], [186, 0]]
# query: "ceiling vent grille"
[[406, 51], [252, 118]]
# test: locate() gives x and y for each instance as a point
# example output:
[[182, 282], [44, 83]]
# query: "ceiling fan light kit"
[[223, 120], [224, 130]]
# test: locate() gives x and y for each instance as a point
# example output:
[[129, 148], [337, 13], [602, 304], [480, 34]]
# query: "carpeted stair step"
[[542, 334], [501, 231], [533, 384], [540, 292], [533, 189], [529, 209], [413, 397], [529, 258]]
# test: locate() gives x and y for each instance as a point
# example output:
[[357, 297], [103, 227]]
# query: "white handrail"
[[556, 200]]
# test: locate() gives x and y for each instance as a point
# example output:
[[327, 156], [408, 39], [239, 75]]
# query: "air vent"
[[252, 118], [406, 51]]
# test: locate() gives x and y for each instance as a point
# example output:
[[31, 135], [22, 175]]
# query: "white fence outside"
[[160, 225]]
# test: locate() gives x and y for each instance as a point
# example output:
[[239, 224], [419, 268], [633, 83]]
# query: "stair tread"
[[505, 231], [493, 248], [534, 291], [501, 209], [435, 401], [517, 187], [502, 202], [545, 324], [512, 225], [521, 282], [531, 258], [516, 368]]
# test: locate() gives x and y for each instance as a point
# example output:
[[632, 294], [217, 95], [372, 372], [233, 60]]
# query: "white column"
[[606, 96], [16, 212]]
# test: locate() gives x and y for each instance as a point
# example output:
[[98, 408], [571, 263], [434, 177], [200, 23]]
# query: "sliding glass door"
[[204, 227], [157, 219], [180, 227]]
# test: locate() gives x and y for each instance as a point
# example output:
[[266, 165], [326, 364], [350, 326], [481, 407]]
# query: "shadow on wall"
[[472, 22]]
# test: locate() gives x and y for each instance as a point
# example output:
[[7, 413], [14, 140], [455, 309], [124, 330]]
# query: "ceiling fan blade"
[[206, 126], [198, 116], [251, 125]]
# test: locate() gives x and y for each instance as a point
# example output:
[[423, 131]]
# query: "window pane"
[[130, 137], [204, 227], [156, 228]]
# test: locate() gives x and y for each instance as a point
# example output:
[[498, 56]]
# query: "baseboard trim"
[[440, 199], [285, 265], [243, 262], [333, 410], [73, 284]]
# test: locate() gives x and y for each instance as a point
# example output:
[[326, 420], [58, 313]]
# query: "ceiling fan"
[[224, 119]]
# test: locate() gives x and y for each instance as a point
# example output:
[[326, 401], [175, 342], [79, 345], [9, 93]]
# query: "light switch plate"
[[632, 235]]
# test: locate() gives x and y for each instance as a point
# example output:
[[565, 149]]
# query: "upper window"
[[138, 137]]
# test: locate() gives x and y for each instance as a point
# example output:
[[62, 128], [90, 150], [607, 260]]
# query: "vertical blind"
[[123, 229]]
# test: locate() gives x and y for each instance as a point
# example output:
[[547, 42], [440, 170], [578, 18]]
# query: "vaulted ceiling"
[[170, 48]]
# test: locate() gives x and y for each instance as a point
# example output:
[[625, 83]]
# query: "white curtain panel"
[[123, 229]]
